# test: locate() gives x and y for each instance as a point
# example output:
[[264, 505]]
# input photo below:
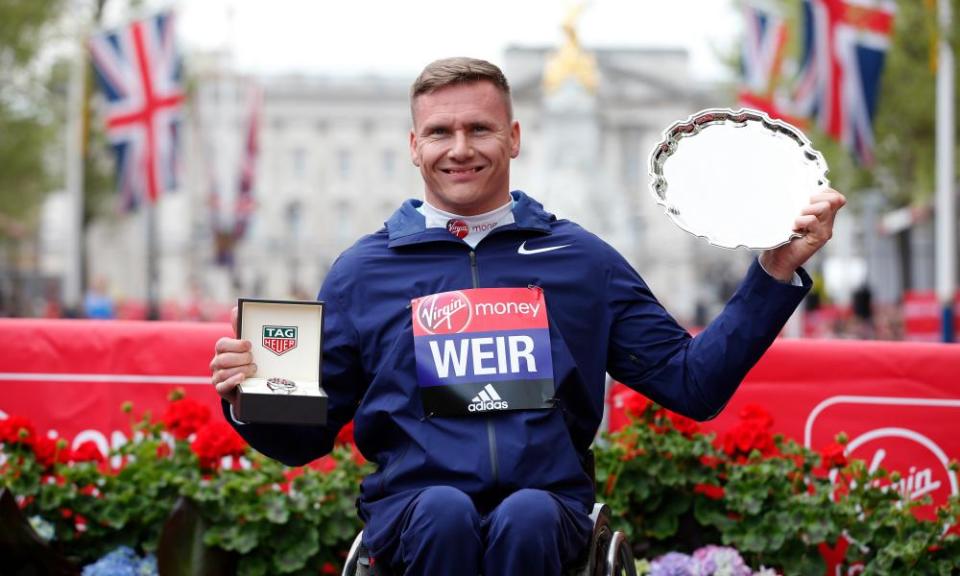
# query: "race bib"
[[483, 350]]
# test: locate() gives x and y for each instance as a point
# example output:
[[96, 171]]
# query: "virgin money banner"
[[71, 377], [897, 402]]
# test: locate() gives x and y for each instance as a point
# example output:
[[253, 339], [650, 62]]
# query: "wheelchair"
[[608, 552]]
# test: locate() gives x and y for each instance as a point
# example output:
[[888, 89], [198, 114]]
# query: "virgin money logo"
[[458, 228], [446, 313], [922, 464]]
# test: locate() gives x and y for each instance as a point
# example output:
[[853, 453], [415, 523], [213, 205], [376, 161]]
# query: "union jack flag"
[[844, 47], [764, 37], [140, 73], [761, 59]]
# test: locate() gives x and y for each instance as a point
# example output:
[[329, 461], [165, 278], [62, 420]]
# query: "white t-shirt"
[[470, 229]]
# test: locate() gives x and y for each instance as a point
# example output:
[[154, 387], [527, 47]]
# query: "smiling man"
[[463, 139], [469, 340]]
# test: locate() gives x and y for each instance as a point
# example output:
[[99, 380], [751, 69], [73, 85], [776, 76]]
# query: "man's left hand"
[[816, 226]]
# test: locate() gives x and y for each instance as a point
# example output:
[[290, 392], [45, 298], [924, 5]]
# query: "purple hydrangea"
[[674, 564], [721, 561], [122, 562]]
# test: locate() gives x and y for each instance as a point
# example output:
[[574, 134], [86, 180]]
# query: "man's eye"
[[480, 129], [438, 131]]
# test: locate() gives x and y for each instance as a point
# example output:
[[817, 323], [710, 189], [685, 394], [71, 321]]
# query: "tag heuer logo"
[[279, 339]]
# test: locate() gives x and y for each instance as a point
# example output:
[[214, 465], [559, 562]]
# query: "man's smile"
[[457, 171]]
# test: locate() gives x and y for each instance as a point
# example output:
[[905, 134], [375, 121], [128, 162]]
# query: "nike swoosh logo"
[[526, 252]]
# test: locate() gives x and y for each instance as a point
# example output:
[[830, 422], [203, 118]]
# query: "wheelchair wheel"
[[357, 563], [596, 554], [619, 560]]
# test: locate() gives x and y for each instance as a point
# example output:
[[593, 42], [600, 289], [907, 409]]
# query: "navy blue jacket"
[[602, 316]]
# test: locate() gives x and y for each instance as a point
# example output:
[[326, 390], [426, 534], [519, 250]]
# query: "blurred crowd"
[[861, 319]]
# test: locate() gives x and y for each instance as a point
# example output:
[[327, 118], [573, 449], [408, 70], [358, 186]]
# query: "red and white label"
[[458, 228], [444, 313]]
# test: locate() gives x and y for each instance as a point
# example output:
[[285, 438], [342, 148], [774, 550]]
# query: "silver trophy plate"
[[736, 178]]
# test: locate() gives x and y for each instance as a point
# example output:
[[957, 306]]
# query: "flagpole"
[[73, 274], [153, 272], [946, 220]]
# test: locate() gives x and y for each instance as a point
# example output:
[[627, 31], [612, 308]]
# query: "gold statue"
[[571, 60]]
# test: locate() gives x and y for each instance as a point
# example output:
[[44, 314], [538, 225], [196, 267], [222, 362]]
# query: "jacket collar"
[[408, 226]]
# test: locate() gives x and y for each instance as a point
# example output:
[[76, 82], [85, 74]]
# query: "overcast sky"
[[398, 37]]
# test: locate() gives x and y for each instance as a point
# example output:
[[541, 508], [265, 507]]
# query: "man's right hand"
[[232, 362]]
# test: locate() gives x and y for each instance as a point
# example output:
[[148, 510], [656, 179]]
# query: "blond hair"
[[460, 70]]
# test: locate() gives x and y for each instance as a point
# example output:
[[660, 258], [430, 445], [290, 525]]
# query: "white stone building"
[[334, 164]]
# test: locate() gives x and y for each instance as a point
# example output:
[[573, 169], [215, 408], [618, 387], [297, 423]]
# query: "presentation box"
[[287, 338]]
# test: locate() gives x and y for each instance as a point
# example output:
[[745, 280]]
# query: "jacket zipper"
[[491, 433]]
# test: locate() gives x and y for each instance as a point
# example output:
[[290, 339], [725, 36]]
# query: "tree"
[[25, 127], [906, 123]]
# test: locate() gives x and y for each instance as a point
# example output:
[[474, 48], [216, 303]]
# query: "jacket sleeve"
[[296, 445], [695, 377]]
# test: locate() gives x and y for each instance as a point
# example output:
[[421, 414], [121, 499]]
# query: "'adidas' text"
[[487, 399]]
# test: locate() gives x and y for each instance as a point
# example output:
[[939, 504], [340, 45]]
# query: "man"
[[480, 459]]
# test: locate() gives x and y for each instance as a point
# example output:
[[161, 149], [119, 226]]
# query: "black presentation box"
[[287, 338]]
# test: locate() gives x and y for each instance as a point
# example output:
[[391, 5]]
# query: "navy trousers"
[[531, 532]]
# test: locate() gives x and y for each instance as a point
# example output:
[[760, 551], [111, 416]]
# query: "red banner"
[[71, 377], [897, 402]]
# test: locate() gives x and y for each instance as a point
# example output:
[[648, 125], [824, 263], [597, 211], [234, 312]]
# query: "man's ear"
[[414, 155], [514, 139]]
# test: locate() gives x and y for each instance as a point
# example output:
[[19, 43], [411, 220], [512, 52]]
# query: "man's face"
[[462, 141]]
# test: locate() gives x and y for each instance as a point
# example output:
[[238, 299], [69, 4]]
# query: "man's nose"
[[461, 148]]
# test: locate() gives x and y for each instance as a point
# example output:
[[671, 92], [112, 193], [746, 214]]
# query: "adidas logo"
[[487, 399]]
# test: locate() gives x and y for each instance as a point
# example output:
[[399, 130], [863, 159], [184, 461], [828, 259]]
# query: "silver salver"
[[736, 177]]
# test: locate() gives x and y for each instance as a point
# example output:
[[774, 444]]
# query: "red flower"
[[683, 425], [631, 453], [215, 441], [358, 458], [758, 414], [346, 434], [329, 568], [324, 464], [833, 456], [163, 450], [635, 404], [89, 490], [747, 436], [184, 417], [711, 491], [87, 452], [10, 430], [49, 451], [710, 461], [610, 485]]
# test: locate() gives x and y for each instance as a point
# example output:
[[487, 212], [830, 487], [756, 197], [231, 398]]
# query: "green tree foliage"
[[25, 129], [906, 122]]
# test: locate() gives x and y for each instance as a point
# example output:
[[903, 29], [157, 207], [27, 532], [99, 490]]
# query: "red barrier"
[[923, 316], [899, 403], [72, 376]]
